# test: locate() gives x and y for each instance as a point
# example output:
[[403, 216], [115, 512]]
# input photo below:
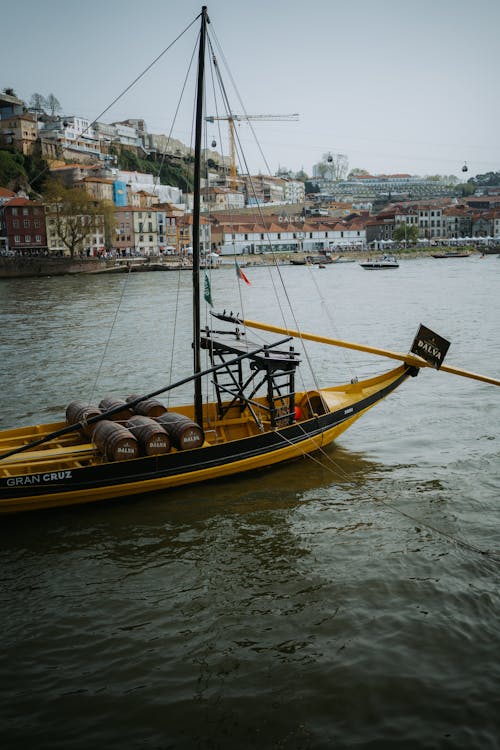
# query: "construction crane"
[[231, 119]]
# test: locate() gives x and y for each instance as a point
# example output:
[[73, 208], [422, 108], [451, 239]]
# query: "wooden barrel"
[[115, 441], [183, 432], [110, 402], [77, 411], [150, 407], [152, 437]]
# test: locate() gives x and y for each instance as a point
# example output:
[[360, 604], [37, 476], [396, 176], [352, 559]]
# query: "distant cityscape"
[[244, 214]]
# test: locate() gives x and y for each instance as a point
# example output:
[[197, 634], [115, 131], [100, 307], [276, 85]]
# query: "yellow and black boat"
[[257, 418]]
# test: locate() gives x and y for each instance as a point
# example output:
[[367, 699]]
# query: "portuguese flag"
[[241, 275]]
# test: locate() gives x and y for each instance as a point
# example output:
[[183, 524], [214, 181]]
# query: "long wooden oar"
[[409, 359]]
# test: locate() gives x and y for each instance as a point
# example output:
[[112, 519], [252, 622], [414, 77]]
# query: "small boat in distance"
[[343, 259], [451, 254], [380, 264]]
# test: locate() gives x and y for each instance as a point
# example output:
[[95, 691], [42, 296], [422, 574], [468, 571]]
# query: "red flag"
[[241, 275]]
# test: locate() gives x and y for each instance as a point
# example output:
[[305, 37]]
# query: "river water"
[[347, 601]]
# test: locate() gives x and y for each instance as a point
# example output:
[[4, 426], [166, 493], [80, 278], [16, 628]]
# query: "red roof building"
[[22, 225]]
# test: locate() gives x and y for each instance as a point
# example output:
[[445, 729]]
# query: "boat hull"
[[35, 490], [378, 266]]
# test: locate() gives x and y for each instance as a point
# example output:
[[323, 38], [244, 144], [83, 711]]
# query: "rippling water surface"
[[347, 601]]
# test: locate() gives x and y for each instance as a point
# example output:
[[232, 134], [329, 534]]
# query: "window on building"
[[38, 239], [17, 239]]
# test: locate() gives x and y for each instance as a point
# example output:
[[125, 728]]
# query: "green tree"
[[489, 179], [12, 172], [73, 215], [356, 173], [407, 233], [22, 172], [311, 187]]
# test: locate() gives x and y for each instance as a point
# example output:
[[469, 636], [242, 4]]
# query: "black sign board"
[[430, 346]]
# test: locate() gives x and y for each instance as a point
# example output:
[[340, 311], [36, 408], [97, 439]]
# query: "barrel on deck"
[[110, 402], [78, 411], [152, 437], [115, 441], [149, 407], [183, 432]]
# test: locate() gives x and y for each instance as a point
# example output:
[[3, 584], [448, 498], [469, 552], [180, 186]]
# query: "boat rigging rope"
[[110, 336], [127, 89]]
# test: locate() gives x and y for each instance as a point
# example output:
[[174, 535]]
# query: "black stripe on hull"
[[186, 462]]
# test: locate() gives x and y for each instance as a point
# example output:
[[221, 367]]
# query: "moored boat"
[[135, 444], [380, 264], [452, 254]]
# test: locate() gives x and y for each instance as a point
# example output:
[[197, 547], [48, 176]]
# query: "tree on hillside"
[[311, 187], [489, 179], [357, 173], [38, 103], [12, 172], [73, 215], [333, 166], [170, 172], [53, 104], [20, 171]]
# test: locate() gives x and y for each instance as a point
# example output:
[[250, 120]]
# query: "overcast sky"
[[396, 86]]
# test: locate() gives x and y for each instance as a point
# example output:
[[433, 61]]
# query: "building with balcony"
[[69, 138]]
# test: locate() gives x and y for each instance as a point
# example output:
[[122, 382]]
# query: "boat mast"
[[198, 407]]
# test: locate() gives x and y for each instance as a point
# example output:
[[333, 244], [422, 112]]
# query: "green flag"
[[208, 292]]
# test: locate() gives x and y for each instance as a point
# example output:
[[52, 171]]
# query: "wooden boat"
[[126, 447], [380, 264], [451, 254], [343, 259]]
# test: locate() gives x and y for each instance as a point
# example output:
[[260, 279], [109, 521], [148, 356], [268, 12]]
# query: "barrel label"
[[191, 436]]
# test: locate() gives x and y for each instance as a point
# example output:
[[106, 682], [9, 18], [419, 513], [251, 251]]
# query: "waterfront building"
[[185, 234], [276, 233], [457, 221], [22, 227], [430, 221], [83, 233], [145, 224]]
